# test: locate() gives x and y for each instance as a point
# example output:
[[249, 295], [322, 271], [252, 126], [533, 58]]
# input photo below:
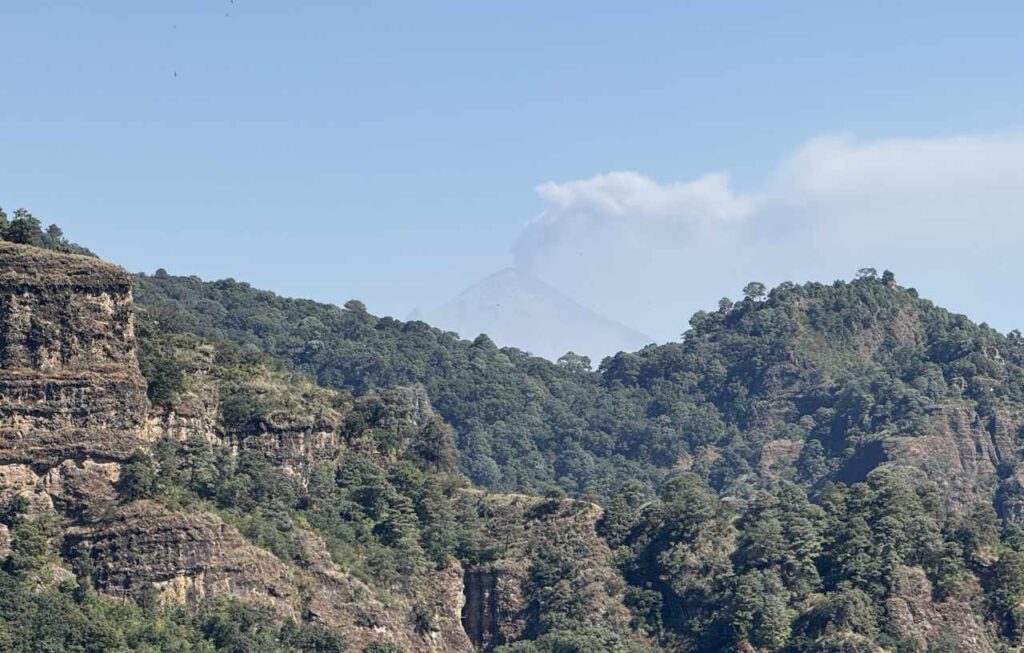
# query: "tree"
[[683, 555], [24, 229], [757, 610], [781, 531], [979, 529], [803, 524], [1006, 592], [13, 512], [761, 543], [754, 291], [852, 553], [54, 238], [138, 478], [867, 273], [434, 446], [623, 513], [846, 610], [574, 362], [812, 463], [30, 549]]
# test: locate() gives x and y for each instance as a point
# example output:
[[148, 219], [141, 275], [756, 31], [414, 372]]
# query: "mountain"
[[242, 507], [516, 309], [204, 466], [822, 467]]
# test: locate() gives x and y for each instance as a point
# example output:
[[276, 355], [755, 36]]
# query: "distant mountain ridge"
[[516, 309]]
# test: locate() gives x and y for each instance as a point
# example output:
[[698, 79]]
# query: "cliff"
[[523, 536], [247, 405], [70, 386], [184, 558], [73, 409]]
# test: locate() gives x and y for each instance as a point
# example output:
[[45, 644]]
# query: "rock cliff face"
[[295, 437], [70, 386], [965, 454], [931, 625], [187, 557], [962, 451], [300, 424], [523, 532]]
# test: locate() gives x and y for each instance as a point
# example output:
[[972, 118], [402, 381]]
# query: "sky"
[[644, 158]]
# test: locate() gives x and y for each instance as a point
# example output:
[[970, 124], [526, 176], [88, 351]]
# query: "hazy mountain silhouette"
[[516, 309]]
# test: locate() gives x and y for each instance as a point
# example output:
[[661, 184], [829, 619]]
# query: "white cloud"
[[945, 213], [833, 167], [611, 213], [631, 195]]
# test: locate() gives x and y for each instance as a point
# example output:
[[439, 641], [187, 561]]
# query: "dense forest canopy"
[[829, 366]]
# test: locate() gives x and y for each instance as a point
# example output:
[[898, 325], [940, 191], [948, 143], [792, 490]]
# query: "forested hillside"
[[815, 468], [831, 374], [818, 467]]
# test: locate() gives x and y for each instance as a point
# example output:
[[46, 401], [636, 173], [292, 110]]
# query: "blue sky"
[[392, 151]]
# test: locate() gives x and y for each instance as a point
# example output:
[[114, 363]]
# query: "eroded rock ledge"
[[70, 386]]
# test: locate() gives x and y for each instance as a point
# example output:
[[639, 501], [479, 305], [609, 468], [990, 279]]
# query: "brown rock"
[[69, 382], [5, 542], [915, 616], [518, 529], [961, 451], [20, 480], [84, 490], [186, 557]]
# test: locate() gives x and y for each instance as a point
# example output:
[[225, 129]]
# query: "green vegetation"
[[792, 554], [384, 508], [25, 228], [783, 573], [806, 467], [38, 612], [829, 366], [390, 507]]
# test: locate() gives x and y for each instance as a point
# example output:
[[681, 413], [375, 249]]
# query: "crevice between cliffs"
[[479, 612]]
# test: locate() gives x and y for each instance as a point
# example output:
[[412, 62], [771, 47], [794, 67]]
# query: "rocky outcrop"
[[778, 457], [293, 441], [965, 454], [21, 481], [183, 555], [82, 490], [299, 424], [70, 386], [964, 450], [521, 532], [494, 609], [186, 557], [294, 437], [933, 625]]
